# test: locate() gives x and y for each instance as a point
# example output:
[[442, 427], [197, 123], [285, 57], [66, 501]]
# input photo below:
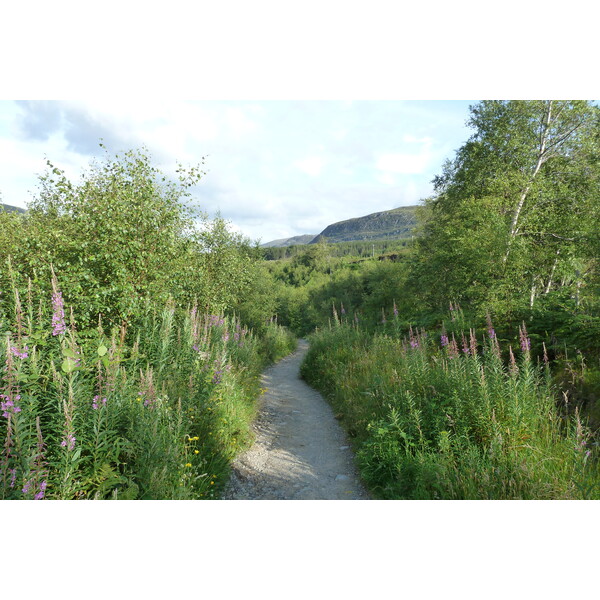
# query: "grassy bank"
[[452, 417], [157, 412]]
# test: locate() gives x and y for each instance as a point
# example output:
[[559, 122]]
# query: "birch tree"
[[532, 167]]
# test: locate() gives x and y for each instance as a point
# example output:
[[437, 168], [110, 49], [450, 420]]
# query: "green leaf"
[[68, 365], [102, 350]]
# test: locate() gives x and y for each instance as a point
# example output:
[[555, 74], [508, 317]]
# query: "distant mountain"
[[395, 223], [9, 208], [293, 241]]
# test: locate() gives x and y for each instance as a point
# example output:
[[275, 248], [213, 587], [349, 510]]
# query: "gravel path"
[[300, 452]]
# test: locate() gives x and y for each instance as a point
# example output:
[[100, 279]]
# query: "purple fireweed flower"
[[95, 402], [8, 406], [225, 337], [13, 477], [525, 341], [22, 355], [58, 317], [26, 487], [70, 441], [444, 340], [414, 343], [217, 377], [40, 495], [465, 347]]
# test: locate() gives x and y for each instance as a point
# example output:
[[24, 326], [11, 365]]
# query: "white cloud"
[[339, 134], [312, 165], [406, 164], [386, 177], [410, 139], [410, 162], [238, 122]]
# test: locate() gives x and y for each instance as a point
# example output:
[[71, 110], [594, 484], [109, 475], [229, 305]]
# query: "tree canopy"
[[512, 218]]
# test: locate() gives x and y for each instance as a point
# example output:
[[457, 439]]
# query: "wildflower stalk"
[[58, 314]]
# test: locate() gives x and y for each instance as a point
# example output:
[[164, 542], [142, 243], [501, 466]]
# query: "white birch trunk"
[[541, 158], [549, 284]]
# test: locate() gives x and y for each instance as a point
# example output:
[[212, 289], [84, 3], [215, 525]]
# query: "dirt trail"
[[300, 452]]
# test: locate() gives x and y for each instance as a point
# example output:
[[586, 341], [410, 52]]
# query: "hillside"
[[395, 223], [293, 241], [9, 208], [388, 224]]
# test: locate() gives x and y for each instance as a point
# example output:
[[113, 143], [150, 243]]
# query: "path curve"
[[300, 451]]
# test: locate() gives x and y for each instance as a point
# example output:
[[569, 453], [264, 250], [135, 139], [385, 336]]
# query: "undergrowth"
[[451, 416], [155, 412]]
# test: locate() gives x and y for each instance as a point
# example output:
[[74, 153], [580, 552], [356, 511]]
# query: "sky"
[[273, 169]]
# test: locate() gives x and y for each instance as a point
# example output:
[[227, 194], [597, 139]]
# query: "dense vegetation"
[[464, 363], [131, 357], [447, 407], [354, 249]]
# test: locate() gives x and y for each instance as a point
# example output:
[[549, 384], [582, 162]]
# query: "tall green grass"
[[152, 413], [452, 416]]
